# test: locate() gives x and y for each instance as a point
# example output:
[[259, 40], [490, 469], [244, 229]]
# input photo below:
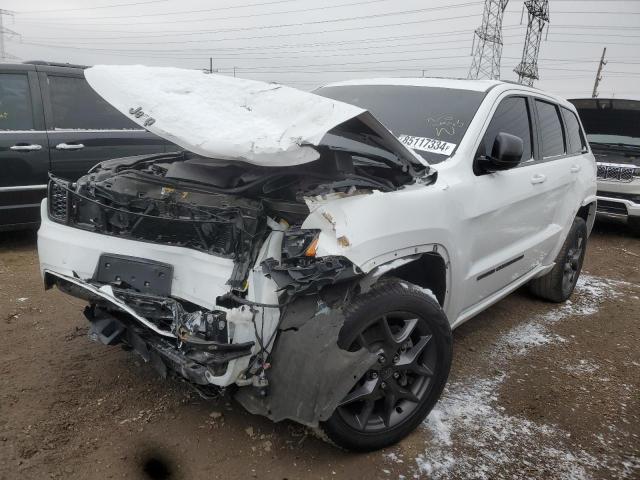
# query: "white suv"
[[302, 252], [613, 130]]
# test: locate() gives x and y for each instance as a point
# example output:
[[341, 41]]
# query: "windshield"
[[613, 139], [430, 120], [610, 121]]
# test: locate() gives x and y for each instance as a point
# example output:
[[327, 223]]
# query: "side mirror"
[[505, 154]]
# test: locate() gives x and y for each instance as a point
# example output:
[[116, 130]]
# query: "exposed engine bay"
[[247, 216]]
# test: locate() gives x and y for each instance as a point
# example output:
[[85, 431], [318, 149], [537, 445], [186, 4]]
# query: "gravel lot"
[[537, 390]]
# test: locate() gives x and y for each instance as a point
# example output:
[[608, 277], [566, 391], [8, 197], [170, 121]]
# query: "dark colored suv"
[[52, 121]]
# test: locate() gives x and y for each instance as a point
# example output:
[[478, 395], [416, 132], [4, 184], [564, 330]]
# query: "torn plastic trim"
[[307, 276], [308, 392], [106, 292]]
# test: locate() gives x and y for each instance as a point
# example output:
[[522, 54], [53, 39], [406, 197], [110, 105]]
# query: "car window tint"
[[15, 102], [550, 130], [574, 134], [75, 105], [511, 116]]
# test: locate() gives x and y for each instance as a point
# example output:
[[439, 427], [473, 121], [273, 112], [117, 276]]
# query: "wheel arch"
[[428, 268], [587, 212]]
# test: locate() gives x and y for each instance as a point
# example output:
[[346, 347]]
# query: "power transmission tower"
[[603, 62], [538, 17], [4, 34], [487, 41]]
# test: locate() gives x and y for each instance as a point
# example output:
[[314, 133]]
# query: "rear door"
[[83, 129], [556, 176], [24, 156]]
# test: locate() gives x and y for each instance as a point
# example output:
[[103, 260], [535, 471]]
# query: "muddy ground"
[[536, 391]]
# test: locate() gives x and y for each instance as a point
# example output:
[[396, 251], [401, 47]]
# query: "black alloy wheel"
[[391, 391], [410, 336]]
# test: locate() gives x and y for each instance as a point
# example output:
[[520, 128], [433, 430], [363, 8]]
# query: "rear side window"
[[15, 102], [75, 105], [550, 129], [575, 139], [512, 116]]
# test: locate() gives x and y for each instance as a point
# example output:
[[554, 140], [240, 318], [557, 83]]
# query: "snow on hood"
[[222, 117]]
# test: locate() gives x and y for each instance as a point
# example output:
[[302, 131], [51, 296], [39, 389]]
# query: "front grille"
[[58, 201], [616, 173], [607, 206]]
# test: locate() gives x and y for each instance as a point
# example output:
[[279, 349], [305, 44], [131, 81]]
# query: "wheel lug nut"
[[381, 359], [373, 375], [396, 358], [383, 385], [396, 375]]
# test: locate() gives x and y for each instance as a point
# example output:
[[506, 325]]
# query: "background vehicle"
[[613, 130], [321, 269], [52, 121]]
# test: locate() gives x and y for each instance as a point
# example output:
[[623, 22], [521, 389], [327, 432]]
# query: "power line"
[[30, 12], [284, 25], [186, 12], [348, 29]]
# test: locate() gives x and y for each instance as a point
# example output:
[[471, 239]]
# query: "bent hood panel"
[[222, 117]]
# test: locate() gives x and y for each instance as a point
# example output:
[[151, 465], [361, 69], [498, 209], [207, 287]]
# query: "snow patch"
[[529, 335], [471, 436], [582, 367]]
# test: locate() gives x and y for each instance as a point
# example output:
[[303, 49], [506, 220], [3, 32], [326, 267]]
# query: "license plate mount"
[[141, 274]]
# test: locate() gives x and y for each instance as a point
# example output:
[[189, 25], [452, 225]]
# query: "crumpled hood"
[[222, 117]]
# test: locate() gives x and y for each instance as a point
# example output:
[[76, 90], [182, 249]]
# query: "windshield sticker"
[[445, 123], [430, 145]]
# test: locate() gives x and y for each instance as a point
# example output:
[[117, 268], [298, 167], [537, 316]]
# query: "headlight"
[[300, 242]]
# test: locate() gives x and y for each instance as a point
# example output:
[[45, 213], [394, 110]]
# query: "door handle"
[[575, 168], [538, 178], [69, 146], [26, 148]]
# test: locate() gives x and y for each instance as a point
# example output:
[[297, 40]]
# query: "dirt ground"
[[537, 390]]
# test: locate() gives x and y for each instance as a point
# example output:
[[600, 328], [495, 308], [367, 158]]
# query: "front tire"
[[558, 285], [411, 335]]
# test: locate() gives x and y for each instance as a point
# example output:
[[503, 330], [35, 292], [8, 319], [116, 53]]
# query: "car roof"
[[454, 83]]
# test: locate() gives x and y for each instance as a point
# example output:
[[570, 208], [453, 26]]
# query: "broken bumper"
[[69, 259]]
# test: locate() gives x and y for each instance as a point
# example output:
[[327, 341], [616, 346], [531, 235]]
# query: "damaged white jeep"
[[303, 257]]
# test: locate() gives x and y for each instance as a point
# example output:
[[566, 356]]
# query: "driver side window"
[[511, 116]]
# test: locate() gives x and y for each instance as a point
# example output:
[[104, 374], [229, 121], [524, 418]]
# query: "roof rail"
[[55, 64]]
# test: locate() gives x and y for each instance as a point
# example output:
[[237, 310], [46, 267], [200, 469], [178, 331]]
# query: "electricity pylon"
[[5, 33], [538, 17], [487, 42]]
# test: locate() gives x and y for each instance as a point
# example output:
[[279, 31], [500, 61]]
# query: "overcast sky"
[[307, 43]]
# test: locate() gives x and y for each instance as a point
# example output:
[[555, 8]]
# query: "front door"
[[510, 212], [24, 156], [84, 129]]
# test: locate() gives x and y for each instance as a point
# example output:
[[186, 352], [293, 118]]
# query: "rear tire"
[[411, 335], [558, 285]]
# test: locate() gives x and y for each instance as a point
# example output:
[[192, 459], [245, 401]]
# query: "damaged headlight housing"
[[298, 243]]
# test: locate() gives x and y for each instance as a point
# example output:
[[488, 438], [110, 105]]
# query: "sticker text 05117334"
[[428, 144]]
